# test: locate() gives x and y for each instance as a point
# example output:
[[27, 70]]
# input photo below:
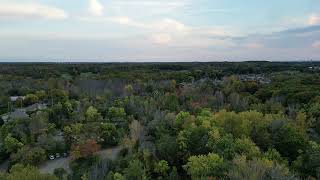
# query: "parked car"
[[51, 157], [58, 155], [65, 154]]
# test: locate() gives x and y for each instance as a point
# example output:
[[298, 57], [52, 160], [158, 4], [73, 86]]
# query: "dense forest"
[[138, 121]]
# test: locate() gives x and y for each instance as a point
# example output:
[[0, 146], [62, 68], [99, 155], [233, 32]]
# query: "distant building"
[[255, 77], [35, 107], [17, 114], [15, 98], [314, 68], [22, 113], [5, 117]]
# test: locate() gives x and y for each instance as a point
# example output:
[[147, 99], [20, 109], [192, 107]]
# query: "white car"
[[51, 157]]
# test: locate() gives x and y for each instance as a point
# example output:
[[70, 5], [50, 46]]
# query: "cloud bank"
[[30, 10], [158, 30]]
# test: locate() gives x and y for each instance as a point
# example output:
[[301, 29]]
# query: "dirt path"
[[50, 166]]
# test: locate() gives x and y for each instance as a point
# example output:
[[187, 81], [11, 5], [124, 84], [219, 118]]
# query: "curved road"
[[51, 165]]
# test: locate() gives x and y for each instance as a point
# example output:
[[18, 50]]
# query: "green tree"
[[29, 155], [301, 122], [308, 163], [115, 112], [72, 132], [135, 170], [193, 140], [250, 170], [205, 166], [236, 124], [224, 146], [109, 134], [60, 173], [167, 148], [41, 94], [257, 169], [30, 99], [39, 123], [118, 176], [161, 167], [12, 144], [182, 117], [246, 147], [289, 141], [19, 171], [92, 114]]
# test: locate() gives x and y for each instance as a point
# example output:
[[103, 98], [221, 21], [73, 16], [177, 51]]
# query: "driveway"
[[51, 165]]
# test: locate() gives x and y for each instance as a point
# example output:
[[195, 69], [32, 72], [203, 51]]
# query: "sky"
[[159, 30]]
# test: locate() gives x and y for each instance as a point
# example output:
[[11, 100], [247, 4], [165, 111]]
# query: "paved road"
[[51, 165]]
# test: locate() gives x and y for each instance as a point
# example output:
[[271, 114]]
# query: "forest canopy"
[[248, 120]]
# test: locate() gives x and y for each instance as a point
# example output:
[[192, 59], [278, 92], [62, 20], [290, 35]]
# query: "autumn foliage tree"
[[85, 149]]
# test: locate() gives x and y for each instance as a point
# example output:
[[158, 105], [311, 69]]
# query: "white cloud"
[[161, 38], [150, 7], [254, 45], [316, 45], [121, 20], [314, 19], [124, 20], [170, 31], [95, 8], [23, 10], [169, 25], [152, 3], [163, 25]]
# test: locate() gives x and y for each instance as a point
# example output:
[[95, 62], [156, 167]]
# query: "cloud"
[[150, 7], [169, 25], [152, 3], [314, 19], [95, 8], [161, 38], [26, 10], [254, 45], [121, 20], [316, 44], [170, 31], [163, 25], [124, 20]]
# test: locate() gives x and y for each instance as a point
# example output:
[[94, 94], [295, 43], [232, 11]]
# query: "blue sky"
[[159, 30]]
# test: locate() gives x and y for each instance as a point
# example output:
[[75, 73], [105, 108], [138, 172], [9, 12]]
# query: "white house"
[[15, 98]]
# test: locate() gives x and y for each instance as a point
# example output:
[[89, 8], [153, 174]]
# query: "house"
[[15, 98], [22, 113], [35, 107], [5, 117], [17, 114], [255, 77]]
